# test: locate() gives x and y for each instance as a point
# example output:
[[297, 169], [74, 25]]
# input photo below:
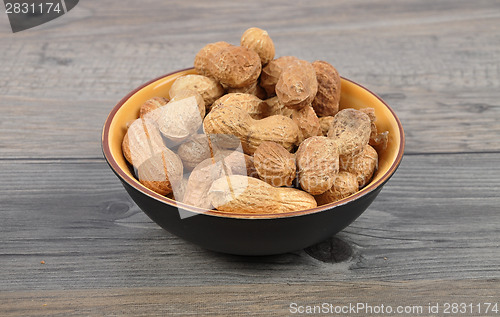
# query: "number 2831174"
[[33, 8]]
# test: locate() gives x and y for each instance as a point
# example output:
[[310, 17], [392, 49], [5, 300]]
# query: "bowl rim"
[[135, 184]]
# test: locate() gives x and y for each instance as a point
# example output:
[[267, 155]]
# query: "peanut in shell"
[[344, 185], [243, 194], [237, 66], [205, 58], [274, 164], [351, 130], [209, 89], [317, 164], [297, 85], [258, 40], [326, 101]]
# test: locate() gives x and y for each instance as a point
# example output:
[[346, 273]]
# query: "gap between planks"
[[101, 159]]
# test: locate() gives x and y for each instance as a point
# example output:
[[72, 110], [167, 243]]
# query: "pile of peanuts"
[[251, 133]]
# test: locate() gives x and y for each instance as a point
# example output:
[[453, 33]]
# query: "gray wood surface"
[[77, 218], [278, 299], [432, 235]]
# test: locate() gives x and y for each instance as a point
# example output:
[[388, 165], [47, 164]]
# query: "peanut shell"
[[194, 151], [274, 164], [308, 123], [259, 41], [380, 141], [272, 72], [362, 165], [142, 141], [344, 185], [253, 89], [251, 132], [317, 164], [325, 123], [188, 93], [161, 172], [237, 66], [179, 119], [242, 194], [254, 106], [209, 89], [297, 85], [275, 107], [326, 101], [205, 58], [205, 173], [152, 104], [351, 130], [377, 140]]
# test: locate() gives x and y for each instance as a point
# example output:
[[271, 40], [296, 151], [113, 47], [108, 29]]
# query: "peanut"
[[254, 106], [161, 172], [351, 129], [142, 141], [274, 107], [194, 151], [344, 185], [305, 118], [325, 123], [334, 158], [237, 66], [251, 132], [272, 72], [377, 140], [317, 163], [242, 194], [308, 123], [362, 165], [380, 141], [297, 85], [187, 93], [326, 101], [204, 59], [253, 89], [209, 89], [239, 162], [206, 172], [219, 142], [274, 164], [179, 119], [152, 104], [259, 41]]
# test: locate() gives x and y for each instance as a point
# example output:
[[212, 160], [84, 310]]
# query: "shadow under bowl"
[[256, 234]]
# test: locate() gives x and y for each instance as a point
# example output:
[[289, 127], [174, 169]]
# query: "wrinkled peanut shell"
[[258, 41], [344, 185], [326, 101], [274, 164], [317, 164]]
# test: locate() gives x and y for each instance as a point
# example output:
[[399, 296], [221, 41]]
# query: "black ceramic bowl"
[[244, 234]]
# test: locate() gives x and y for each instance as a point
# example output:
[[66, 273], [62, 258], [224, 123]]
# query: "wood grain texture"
[[77, 218], [432, 235], [435, 63], [251, 299]]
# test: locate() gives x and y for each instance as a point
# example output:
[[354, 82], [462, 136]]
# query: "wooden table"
[[73, 243]]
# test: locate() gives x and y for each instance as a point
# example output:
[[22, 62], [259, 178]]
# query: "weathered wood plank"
[[435, 222], [413, 298], [437, 218], [435, 63]]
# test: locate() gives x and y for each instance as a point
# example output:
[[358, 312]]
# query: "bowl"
[[256, 234]]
